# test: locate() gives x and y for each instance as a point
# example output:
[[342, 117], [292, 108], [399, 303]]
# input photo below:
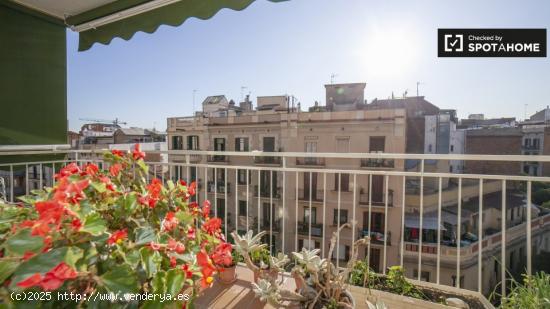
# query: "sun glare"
[[388, 52]]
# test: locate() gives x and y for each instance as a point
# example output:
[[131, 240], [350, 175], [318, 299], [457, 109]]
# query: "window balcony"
[[377, 163], [218, 159], [265, 192], [316, 229], [220, 187], [315, 196], [376, 200], [307, 161], [264, 160]]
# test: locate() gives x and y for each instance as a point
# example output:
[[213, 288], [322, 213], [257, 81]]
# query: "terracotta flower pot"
[[228, 275], [297, 282]]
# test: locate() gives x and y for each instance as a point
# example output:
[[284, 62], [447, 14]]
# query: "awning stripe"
[[173, 15]]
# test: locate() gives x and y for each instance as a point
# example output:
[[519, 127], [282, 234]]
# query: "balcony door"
[[313, 186], [377, 189], [269, 144], [311, 147], [310, 214]]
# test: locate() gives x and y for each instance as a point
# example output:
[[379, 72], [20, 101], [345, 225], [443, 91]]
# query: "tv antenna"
[[242, 91], [332, 76], [116, 122], [418, 84], [194, 92]]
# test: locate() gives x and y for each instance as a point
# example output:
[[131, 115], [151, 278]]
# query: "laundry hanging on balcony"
[[124, 18]]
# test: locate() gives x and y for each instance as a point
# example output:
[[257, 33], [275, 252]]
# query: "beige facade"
[[359, 131]]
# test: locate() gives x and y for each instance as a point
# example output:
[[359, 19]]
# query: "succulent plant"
[[309, 260]]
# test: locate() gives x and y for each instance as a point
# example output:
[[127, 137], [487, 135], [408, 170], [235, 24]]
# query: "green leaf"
[[150, 260], [184, 217], [145, 235], [121, 279], [99, 186], [175, 279], [94, 224], [129, 202], [132, 258], [170, 185], [7, 268], [144, 167], [23, 241], [42, 263], [158, 282]]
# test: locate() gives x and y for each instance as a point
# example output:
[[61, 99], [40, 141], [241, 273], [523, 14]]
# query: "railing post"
[[283, 231], [503, 241], [480, 239], [439, 206], [529, 246], [459, 229], [421, 218]]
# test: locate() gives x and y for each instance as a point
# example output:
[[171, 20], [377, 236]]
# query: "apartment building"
[[311, 198]]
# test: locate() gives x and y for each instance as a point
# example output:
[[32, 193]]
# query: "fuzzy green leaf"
[[23, 241]]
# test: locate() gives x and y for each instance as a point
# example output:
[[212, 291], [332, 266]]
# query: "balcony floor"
[[240, 295]]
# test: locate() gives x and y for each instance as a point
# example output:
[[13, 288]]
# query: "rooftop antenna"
[[525, 112], [332, 76], [194, 91], [242, 91]]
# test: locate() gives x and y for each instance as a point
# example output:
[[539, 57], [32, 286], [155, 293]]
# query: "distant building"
[[344, 97], [137, 135], [477, 123], [73, 139], [543, 115], [501, 141]]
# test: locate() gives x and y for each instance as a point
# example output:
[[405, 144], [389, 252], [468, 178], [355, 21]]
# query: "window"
[[269, 144], [430, 148], [177, 142], [344, 186], [342, 144], [243, 209], [306, 243], [241, 177], [452, 148], [424, 275], [342, 253], [377, 143], [313, 215], [343, 216], [192, 142], [241, 144], [461, 281]]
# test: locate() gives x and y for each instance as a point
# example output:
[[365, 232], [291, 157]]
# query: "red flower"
[[148, 201], [56, 276], [170, 221], [68, 170], [28, 255], [207, 269], [212, 226], [155, 246], [30, 281], [191, 233], [47, 243], [115, 169], [173, 261], [137, 153], [175, 246], [192, 188], [90, 169], [206, 208], [187, 271], [117, 237], [49, 211], [108, 184], [155, 187], [118, 153], [222, 255], [76, 224], [183, 183]]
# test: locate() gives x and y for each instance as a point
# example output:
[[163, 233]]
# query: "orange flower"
[[212, 225], [206, 208], [170, 221], [175, 246], [118, 153]]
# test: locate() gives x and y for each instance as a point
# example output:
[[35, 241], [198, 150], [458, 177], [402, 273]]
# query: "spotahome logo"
[[491, 42]]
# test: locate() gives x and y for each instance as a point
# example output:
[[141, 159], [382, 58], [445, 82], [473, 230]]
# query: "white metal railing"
[[282, 209]]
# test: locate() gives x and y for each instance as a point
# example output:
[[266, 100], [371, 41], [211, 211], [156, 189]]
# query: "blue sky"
[[294, 47]]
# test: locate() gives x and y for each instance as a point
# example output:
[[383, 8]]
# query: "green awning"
[[173, 14]]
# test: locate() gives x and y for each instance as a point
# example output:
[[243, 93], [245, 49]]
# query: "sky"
[[294, 47]]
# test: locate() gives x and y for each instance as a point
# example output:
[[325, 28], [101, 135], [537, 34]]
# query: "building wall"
[[493, 144], [33, 79]]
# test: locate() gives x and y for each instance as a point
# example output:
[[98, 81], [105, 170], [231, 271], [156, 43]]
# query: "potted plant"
[[109, 231], [321, 284], [227, 266]]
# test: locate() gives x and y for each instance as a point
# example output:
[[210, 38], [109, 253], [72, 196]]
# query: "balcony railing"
[[267, 192], [316, 229], [218, 159], [267, 160], [377, 163], [474, 205], [218, 187], [378, 201], [314, 195], [311, 161]]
